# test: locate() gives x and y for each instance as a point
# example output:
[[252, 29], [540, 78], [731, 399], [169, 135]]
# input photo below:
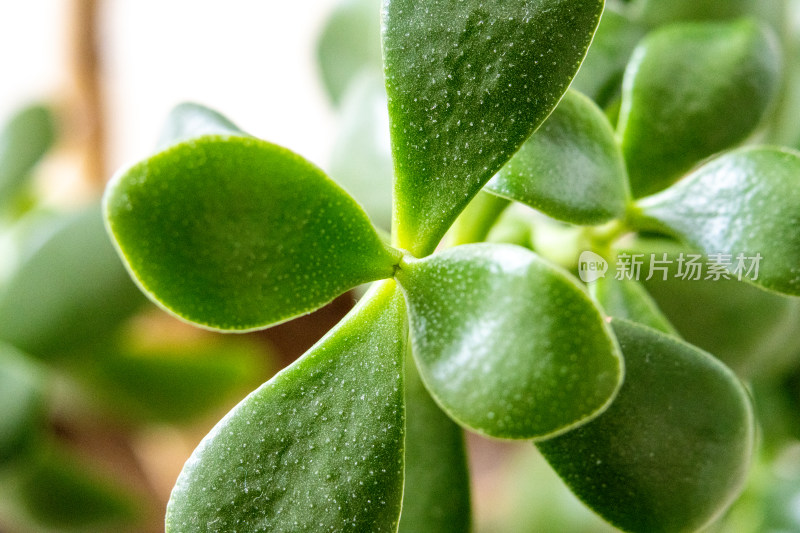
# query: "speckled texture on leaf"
[[508, 345], [745, 202], [571, 168], [436, 495], [690, 91], [468, 82], [317, 448], [672, 451], [236, 233]]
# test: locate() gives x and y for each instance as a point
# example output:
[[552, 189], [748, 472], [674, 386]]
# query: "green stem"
[[474, 224]]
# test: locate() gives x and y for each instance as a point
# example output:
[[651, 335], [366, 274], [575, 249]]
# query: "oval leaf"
[[692, 90], [317, 448], [743, 210], [628, 299], [23, 141], [571, 168], [188, 120], [236, 233], [436, 492], [673, 450], [468, 82], [507, 344], [69, 291]]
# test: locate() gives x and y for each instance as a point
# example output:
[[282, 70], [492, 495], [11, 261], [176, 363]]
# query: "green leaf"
[[508, 345], [350, 43], [22, 398], [317, 448], [477, 219], [235, 233], [571, 168], [743, 206], [24, 139], [468, 82], [659, 12], [61, 492], [174, 384], [692, 90], [362, 161], [188, 121], [673, 450], [69, 292], [600, 76], [436, 495], [628, 299]]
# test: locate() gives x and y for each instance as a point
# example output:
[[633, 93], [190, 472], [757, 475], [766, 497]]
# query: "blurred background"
[[102, 395]]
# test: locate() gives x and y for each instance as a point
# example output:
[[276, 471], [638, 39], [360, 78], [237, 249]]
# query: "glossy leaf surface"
[[69, 290], [673, 450], [350, 43], [690, 91], [22, 398], [628, 299], [23, 141], [317, 448], [508, 345], [236, 233], [571, 168], [745, 203], [468, 82], [436, 495]]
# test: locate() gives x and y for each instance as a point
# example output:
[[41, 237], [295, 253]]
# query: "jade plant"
[[363, 432]]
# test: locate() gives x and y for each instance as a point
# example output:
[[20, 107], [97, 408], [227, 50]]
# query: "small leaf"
[[174, 384], [742, 208], [235, 233], [362, 161], [436, 495], [672, 451], [628, 299], [23, 141], [60, 492], [317, 448], [350, 43], [690, 91], [468, 82], [68, 292], [22, 398], [600, 76], [188, 121], [507, 344], [571, 168]]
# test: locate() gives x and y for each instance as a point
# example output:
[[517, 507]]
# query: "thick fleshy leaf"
[[743, 209], [692, 90], [571, 168], [673, 450], [468, 82], [23, 141], [236, 233], [600, 76], [317, 448], [362, 160], [173, 383], [69, 291], [509, 345], [350, 43], [628, 299], [188, 121], [22, 398], [436, 495]]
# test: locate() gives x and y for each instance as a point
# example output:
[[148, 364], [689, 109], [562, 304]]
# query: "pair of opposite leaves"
[[235, 233]]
